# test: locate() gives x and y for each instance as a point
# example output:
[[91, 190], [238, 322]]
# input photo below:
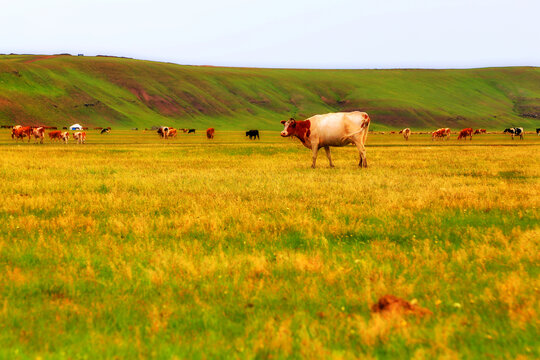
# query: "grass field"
[[130, 246]]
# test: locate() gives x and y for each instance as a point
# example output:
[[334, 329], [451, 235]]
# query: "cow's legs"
[[315, 150], [327, 149], [362, 152]]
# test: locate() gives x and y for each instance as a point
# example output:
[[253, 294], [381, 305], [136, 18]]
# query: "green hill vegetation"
[[126, 93]]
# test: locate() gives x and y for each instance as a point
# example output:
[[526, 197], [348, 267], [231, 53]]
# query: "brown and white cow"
[[406, 133], [464, 133], [210, 133], [335, 129], [39, 133], [80, 137], [19, 132], [65, 136], [442, 133]]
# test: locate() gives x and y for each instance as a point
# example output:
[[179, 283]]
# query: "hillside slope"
[[118, 92]]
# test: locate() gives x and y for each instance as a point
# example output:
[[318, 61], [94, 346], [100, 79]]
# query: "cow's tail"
[[363, 128]]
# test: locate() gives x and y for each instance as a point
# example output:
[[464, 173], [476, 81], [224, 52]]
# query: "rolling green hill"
[[119, 92]]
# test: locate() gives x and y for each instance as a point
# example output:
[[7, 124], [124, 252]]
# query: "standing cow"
[[464, 133], [538, 132], [406, 133], [210, 133], [39, 133], [80, 137], [514, 132], [253, 134], [335, 129], [19, 132]]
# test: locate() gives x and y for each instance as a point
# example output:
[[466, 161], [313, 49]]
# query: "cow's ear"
[[283, 121]]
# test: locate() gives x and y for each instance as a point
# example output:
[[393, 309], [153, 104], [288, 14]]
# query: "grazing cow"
[[39, 133], [105, 131], [514, 132], [80, 136], [19, 132], [464, 133], [439, 134], [253, 134], [65, 136], [406, 133], [191, 131], [210, 133], [184, 130], [538, 132], [335, 129], [163, 131], [172, 133]]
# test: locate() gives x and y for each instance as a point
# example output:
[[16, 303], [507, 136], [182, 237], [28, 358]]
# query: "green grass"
[[125, 93], [130, 246]]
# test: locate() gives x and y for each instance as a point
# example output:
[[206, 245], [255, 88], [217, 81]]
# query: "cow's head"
[[289, 127]]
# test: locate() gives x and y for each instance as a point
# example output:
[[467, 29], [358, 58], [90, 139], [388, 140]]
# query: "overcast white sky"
[[281, 33]]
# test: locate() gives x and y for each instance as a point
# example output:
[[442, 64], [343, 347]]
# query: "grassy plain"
[[133, 247]]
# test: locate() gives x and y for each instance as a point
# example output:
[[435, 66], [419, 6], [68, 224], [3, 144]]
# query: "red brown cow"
[[172, 133], [335, 129], [464, 133], [39, 133], [438, 134], [55, 135], [19, 132], [210, 133], [59, 135]]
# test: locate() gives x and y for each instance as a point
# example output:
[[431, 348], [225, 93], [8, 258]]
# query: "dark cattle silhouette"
[[253, 134]]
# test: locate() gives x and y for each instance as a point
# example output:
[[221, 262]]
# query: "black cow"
[[253, 134], [538, 132], [104, 131], [191, 131], [514, 132]]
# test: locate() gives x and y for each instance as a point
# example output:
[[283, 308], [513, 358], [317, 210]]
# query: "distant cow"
[[406, 133], [165, 132], [191, 131], [440, 133], [464, 133], [39, 133], [479, 131], [59, 135], [184, 130], [210, 133], [55, 135], [514, 132], [80, 137], [253, 134], [335, 129], [105, 131], [538, 132], [19, 132]]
